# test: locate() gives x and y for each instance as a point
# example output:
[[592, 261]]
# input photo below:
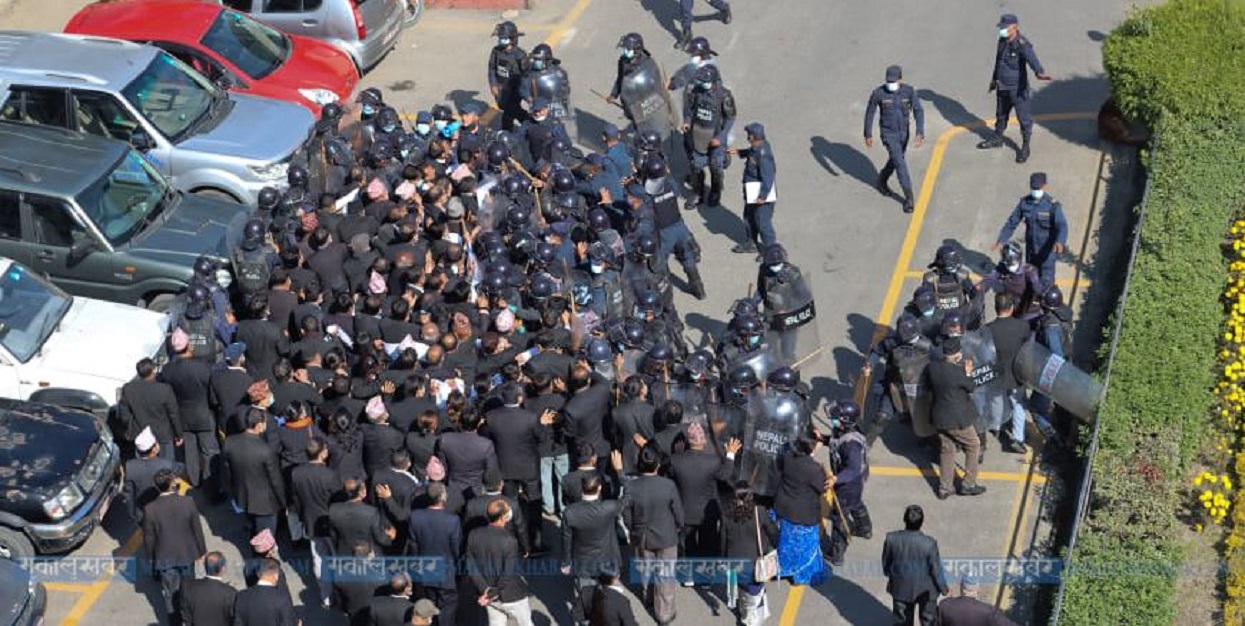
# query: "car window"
[[283, 6], [120, 203], [35, 105], [172, 95], [198, 61], [313, 5], [252, 47], [54, 223], [239, 5], [30, 308], [10, 215], [101, 114]]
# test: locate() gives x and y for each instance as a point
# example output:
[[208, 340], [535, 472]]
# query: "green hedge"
[[1180, 68]]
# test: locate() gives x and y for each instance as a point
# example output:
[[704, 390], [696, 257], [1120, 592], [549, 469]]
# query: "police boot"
[[908, 205], [862, 524], [696, 180], [1023, 155], [684, 38], [995, 141], [715, 187], [697, 285], [725, 14]]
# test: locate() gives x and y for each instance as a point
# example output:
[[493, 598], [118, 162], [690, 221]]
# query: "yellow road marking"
[[92, 593], [1019, 512], [67, 587], [792, 607], [932, 472], [1064, 283]]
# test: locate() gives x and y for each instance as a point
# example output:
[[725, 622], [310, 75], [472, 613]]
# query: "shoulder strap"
[[757, 519]]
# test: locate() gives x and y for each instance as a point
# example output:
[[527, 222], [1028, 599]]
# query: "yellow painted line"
[[67, 587], [791, 609], [932, 472], [1018, 514], [96, 589], [483, 25], [1064, 283]]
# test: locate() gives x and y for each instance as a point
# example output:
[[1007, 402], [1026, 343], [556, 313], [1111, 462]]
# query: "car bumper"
[[370, 51], [72, 531]]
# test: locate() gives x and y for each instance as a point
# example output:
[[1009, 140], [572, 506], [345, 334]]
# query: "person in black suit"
[[190, 378], [517, 435], [394, 607], [493, 563], [653, 513], [208, 601], [172, 539], [355, 521], [467, 455], [588, 410], [475, 513], [437, 533], [913, 571], [291, 386], [696, 473], [589, 542], [353, 593], [265, 341], [379, 438], [954, 415], [139, 487], [265, 604], [146, 402], [313, 486], [421, 441], [1009, 333], [633, 416], [554, 460], [967, 610], [395, 488], [610, 604], [254, 473], [227, 387]]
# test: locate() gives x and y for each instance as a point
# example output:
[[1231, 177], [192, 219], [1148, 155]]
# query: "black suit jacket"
[[653, 512], [632, 417], [402, 487], [437, 533], [803, 481], [379, 441], [516, 435], [610, 607], [313, 486], [288, 391], [952, 396], [150, 403], [493, 563], [172, 532], [265, 345], [189, 379], [912, 566], [964, 611], [475, 515], [588, 412], [254, 474], [1009, 334], [389, 611], [207, 602], [696, 474], [352, 522], [227, 393], [262, 605], [140, 483], [466, 456], [590, 536]]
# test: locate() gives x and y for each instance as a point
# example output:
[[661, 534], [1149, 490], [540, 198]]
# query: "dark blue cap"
[[595, 160], [1007, 20], [611, 131], [423, 117], [234, 351], [636, 189], [470, 108], [755, 129], [894, 73], [1037, 180]]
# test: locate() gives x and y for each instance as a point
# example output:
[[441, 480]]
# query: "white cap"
[[145, 440]]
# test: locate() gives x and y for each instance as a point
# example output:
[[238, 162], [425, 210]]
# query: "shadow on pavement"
[[720, 220], [589, 128], [951, 110], [847, 159], [666, 13], [856, 605], [979, 262], [709, 328], [1074, 94], [462, 96]]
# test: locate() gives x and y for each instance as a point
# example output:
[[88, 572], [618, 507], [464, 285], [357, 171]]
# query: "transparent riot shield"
[[492, 204], [763, 360], [694, 398], [775, 420], [978, 347], [645, 99], [727, 420], [791, 313]]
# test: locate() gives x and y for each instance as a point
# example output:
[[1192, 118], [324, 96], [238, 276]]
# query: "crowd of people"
[[458, 343]]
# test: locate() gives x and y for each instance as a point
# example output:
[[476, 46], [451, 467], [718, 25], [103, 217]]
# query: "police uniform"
[[685, 17], [1045, 226], [551, 83], [710, 115], [759, 167], [674, 237], [638, 88], [505, 70], [1010, 82], [893, 109], [900, 388]]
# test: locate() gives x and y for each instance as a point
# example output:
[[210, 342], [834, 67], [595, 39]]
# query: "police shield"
[[553, 86], [727, 421], [645, 100], [694, 398], [978, 347], [775, 419], [762, 361], [791, 316]]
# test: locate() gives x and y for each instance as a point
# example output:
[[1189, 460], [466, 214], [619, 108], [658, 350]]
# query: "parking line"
[[96, 589], [792, 607], [67, 587], [932, 472]]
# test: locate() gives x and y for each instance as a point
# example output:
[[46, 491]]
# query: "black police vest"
[[507, 66], [948, 291], [707, 112], [202, 337], [666, 208]]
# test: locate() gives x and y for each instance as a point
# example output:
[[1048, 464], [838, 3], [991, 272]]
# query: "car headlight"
[[224, 278], [63, 503], [270, 172], [319, 96]]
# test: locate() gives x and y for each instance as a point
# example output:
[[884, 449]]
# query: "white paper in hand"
[[753, 189]]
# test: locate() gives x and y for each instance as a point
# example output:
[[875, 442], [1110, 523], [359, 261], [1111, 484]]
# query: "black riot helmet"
[[699, 46], [253, 233], [507, 30], [542, 53], [387, 120], [653, 167], [844, 415], [487, 238], [947, 258], [631, 41], [1011, 257], [698, 363], [566, 201], [494, 283], [197, 301], [783, 379], [633, 333], [649, 141], [521, 244], [498, 153], [1052, 298], [336, 153], [648, 301], [205, 267], [371, 97], [518, 217], [599, 351], [907, 328], [657, 358], [646, 244], [542, 287], [598, 219], [743, 379], [707, 75], [381, 153], [742, 307], [330, 115], [297, 176], [544, 254], [746, 326], [924, 300], [563, 180], [952, 323], [516, 184], [269, 198], [774, 254], [600, 252]]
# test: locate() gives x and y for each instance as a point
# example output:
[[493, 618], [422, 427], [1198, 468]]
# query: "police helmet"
[[1012, 255], [646, 244], [488, 237], [649, 141], [544, 254], [507, 30], [442, 113], [498, 153], [517, 216], [1052, 298], [600, 252], [542, 52], [254, 231], [699, 46], [329, 116], [516, 184], [951, 321], [198, 293], [371, 97], [599, 351], [653, 167], [947, 258], [522, 243], [381, 153], [567, 201], [387, 120], [563, 180], [698, 363], [783, 379], [494, 283], [924, 300], [844, 415], [743, 377], [907, 328], [631, 41], [269, 198], [648, 301], [542, 287], [205, 267], [336, 153], [743, 306], [775, 254], [297, 176], [598, 219], [633, 333], [746, 325], [707, 74], [657, 357]]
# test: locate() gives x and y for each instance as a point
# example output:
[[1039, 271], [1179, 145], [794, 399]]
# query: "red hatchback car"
[[230, 48]]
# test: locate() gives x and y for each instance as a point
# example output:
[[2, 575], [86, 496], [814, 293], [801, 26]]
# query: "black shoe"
[[725, 14], [1023, 154], [1015, 447], [975, 490], [908, 207], [994, 142], [943, 495], [692, 204], [744, 248], [684, 39], [881, 186]]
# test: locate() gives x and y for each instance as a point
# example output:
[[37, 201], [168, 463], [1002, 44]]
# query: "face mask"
[[388, 128], [449, 129], [423, 129], [424, 185], [503, 41], [704, 86], [538, 65], [597, 268], [1013, 268], [915, 338], [369, 109], [540, 117], [440, 124], [628, 54], [1003, 32], [698, 62], [754, 340], [1037, 194], [929, 313], [654, 186], [892, 87], [775, 268]]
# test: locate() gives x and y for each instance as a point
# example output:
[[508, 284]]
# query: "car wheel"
[[414, 10], [15, 545], [160, 303], [215, 194]]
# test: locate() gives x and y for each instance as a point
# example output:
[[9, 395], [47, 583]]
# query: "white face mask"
[[1037, 194], [440, 124], [1003, 32], [597, 268], [698, 62], [628, 53], [540, 117], [1013, 268], [655, 185], [892, 87], [423, 129], [504, 41], [775, 268]]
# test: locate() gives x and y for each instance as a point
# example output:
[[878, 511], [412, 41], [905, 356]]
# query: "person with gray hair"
[[967, 610]]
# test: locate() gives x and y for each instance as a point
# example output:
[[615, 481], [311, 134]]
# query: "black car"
[[59, 471], [22, 600]]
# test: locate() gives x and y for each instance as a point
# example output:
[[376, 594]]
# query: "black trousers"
[[527, 493], [904, 612], [171, 589], [446, 599]]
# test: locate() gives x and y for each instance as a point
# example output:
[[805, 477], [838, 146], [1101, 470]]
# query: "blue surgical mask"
[[369, 109], [628, 53], [388, 128], [775, 268], [423, 129], [503, 41], [538, 64], [441, 124], [892, 87], [705, 86], [597, 268], [1003, 33], [1013, 268], [1037, 194], [754, 340], [451, 128]]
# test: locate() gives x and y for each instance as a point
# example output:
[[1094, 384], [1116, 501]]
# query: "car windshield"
[[120, 203], [252, 47], [171, 95], [30, 309]]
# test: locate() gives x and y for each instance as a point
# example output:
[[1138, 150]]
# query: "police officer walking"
[[759, 174], [708, 116], [894, 102], [701, 54], [673, 235], [505, 69], [1010, 82], [685, 17], [638, 89], [1046, 228]]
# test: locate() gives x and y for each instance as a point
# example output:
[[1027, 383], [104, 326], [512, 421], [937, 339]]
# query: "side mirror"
[[141, 141], [83, 245]]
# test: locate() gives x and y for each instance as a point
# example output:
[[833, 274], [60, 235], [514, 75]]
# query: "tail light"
[[359, 26]]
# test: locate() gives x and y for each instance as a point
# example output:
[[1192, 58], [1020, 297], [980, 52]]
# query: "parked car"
[[365, 29], [61, 470], [98, 219], [22, 599], [45, 333], [202, 138], [231, 49]]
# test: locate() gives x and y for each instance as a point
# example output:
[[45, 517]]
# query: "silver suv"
[[364, 29], [204, 139]]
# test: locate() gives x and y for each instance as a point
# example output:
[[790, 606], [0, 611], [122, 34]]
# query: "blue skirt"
[[799, 553]]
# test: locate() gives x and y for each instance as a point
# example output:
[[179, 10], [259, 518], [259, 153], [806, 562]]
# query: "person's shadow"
[[951, 110], [840, 158], [667, 15], [855, 604]]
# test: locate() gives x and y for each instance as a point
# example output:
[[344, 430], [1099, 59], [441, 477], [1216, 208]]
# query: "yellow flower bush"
[[1215, 491]]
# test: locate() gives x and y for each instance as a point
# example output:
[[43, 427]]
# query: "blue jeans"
[[896, 163], [759, 219], [552, 467]]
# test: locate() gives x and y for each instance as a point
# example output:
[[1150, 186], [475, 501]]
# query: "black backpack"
[[251, 271]]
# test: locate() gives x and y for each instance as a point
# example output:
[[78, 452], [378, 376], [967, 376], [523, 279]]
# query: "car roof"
[[68, 60], [147, 19], [53, 161]]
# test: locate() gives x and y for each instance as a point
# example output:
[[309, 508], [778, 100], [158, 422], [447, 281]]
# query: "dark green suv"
[[100, 221]]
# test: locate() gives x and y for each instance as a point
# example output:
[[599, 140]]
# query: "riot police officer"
[[1012, 59], [894, 102], [902, 355], [505, 71], [253, 260], [746, 346], [708, 116], [1054, 330], [370, 102], [1046, 228], [787, 300], [545, 78], [1017, 279], [197, 323], [542, 131], [950, 281], [673, 234], [607, 289], [685, 18], [849, 460], [760, 172], [700, 54], [638, 89], [924, 308], [647, 271]]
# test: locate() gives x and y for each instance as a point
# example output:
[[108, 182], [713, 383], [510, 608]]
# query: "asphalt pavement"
[[804, 68]]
